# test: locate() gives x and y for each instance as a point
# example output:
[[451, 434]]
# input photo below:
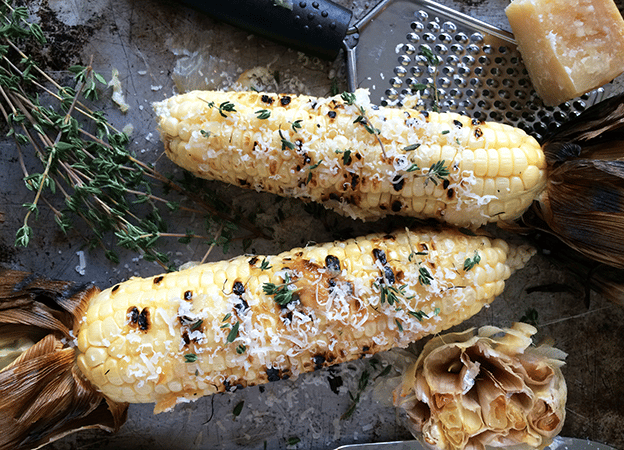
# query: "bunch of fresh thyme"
[[84, 158]]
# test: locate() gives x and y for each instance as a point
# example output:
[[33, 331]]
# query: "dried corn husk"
[[43, 395], [486, 387]]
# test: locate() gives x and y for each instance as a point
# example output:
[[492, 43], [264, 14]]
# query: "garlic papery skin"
[[486, 387]]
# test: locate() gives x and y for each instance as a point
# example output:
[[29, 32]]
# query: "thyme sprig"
[[362, 119], [282, 293], [433, 61], [437, 172], [84, 159]]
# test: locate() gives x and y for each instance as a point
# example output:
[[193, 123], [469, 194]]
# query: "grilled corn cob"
[[360, 160], [249, 320], [175, 337]]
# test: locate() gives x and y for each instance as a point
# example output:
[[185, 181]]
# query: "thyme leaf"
[[424, 276], [286, 144], [264, 265], [263, 114], [310, 169], [233, 332], [470, 262], [238, 408]]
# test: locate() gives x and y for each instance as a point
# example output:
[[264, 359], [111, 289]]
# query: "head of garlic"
[[485, 388]]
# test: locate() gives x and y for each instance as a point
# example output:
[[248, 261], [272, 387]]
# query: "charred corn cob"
[[360, 160], [176, 337]]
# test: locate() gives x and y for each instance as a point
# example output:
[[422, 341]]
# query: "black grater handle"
[[316, 27]]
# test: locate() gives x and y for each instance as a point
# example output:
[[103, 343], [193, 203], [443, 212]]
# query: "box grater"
[[480, 72]]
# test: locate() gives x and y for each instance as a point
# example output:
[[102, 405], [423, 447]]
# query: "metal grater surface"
[[481, 71]]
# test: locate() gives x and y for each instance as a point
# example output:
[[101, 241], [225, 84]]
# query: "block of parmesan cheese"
[[568, 47]]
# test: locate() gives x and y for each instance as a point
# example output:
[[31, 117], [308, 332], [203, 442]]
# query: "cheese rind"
[[568, 48]]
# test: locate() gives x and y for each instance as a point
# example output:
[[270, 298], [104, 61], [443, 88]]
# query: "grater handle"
[[317, 27]]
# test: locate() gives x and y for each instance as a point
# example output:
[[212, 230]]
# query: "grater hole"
[[491, 82], [540, 128], [500, 60], [400, 71], [473, 49], [484, 60], [396, 82], [392, 94], [579, 105], [422, 15], [455, 94], [404, 60], [462, 38], [457, 49], [450, 105], [467, 105], [559, 116], [441, 49], [447, 70], [508, 83], [434, 27], [446, 38], [445, 82], [417, 27], [421, 60], [496, 116], [468, 60], [413, 37], [511, 117], [449, 27], [417, 70], [409, 49], [429, 37], [477, 38], [452, 60], [460, 82], [512, 72], [488, 50]]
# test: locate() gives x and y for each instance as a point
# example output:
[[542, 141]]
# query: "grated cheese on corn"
[[358, 159], [175, 337]]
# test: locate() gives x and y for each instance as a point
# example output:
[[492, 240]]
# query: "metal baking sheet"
[[144, 40]]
